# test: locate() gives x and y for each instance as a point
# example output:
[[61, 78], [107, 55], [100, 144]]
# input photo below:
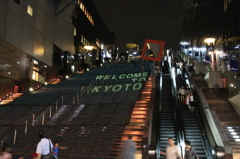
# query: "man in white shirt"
[[173, 151], [44, 146]]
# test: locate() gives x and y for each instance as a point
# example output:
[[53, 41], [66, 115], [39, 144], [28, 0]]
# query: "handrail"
[[150, 133], [178, 117], [204, 127], [158, 104]]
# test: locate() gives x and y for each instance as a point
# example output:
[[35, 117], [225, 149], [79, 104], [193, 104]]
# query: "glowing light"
[[88, 47], [209, 40], [67, 76], [31, 89], [45, 83]]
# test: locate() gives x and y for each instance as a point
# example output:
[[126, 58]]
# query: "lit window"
[[30, 10], [75, 32]]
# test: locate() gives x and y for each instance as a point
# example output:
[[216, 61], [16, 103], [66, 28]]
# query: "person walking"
[[5, 154], [173, 151], [44, 146], [129, 148], [189, 151]]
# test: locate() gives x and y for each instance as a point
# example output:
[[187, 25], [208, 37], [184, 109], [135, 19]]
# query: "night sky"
[[133, 21]]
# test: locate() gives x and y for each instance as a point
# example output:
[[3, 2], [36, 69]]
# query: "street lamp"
[[210, 42]]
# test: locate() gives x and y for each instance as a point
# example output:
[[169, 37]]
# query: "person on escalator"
[[172, 151], [181, 94], [191, 102], [189, 151]]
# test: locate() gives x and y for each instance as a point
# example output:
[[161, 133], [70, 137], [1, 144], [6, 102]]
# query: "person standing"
[[56, 150], [182, 93], [173, 151], [129, 147], [5, 154], [44, 146], [189, 151], [191, 102]]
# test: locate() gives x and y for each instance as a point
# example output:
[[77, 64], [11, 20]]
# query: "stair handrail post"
[[2, 145], [15, 136], [62, 100], [50, 111], [56, 105], [77, 97], [88, 90], [33, 119], [43, 119], [26, 126], [73, 102], [81, 91]]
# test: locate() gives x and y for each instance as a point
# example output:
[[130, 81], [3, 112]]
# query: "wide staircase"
[[89, 114], [218, 100], [137, 123]]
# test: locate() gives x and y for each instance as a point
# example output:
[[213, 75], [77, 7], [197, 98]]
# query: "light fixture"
[[88, 47], [31, 89], [45, 66], [209, 40], [35, 62], [67, 76], [45, 83]]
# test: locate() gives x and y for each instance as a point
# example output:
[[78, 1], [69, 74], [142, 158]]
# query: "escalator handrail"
[[178, 118], [211, 150]]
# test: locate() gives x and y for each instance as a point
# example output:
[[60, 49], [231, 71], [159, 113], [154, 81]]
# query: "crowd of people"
[[186, 97]]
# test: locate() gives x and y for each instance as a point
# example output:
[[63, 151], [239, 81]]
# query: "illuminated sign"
[[136, 78]]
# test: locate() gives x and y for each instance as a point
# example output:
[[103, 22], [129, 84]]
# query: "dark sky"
[[133, 21]]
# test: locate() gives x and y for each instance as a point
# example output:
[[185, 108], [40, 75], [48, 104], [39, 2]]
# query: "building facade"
[[41, 39], [216, 20]]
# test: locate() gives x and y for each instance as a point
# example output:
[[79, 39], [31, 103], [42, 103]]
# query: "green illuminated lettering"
[[142, 79], [107, 77], [137, 75], [100, 77], [134, 79], [127, 86], [107, 88], [114, 77], [118, 89], [137, 86], [145, 74], [130, 76], [122, 76], [96, 89]]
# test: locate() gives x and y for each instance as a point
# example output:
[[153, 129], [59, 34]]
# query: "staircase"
[[167, 128], [11, 98], [138, 119]]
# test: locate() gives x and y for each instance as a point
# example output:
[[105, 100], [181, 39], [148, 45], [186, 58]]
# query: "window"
[[17, 1], [30, 10]]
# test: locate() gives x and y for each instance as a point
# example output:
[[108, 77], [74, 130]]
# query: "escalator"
[[167, 122], [177, 122], [192, 127]]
